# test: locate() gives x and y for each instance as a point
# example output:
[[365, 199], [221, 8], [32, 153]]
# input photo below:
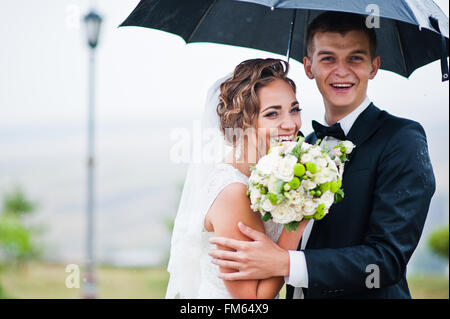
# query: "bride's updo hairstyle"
[[238, 106]]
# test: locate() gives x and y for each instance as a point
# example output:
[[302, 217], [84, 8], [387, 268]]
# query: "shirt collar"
[[348, 121]]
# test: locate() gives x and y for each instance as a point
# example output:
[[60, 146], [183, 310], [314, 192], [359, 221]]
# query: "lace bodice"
[[212, 287]]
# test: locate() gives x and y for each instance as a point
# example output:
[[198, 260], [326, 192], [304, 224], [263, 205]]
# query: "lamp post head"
[[93, 22]]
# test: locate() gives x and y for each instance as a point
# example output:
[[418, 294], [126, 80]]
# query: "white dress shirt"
[[298, 272]]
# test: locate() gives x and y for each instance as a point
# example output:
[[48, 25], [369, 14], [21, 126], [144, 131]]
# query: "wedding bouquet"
[[297, 181]]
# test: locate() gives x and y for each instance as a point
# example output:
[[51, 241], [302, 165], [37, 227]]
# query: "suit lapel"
[[367, 123]]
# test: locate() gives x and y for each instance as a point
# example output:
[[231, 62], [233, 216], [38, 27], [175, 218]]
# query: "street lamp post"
[[92, 21]]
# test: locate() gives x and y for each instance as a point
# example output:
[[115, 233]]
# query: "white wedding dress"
[[211, 286], [192, 274]]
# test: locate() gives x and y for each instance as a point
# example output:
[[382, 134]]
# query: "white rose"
[[336, 152], [321, 162], [288, 147], [306, 158], [308, 184], [285, 168], [309, 207], [267, 163], [332, 165], [254, 178], [283, 214], [295, 196], [327, 198], [324, 176], [255, 195], [298, 210], [267, 206], [349, 146], [276, 149], [315, 151], [306, 146]]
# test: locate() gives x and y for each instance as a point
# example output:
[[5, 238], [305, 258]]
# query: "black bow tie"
[[323, 131]]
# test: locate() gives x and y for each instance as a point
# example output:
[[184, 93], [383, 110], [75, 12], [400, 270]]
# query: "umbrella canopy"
[[411, 33]]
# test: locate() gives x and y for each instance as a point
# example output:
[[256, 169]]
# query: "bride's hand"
[[257, 259]]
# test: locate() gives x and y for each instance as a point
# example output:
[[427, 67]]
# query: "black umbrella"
[[411, 33]]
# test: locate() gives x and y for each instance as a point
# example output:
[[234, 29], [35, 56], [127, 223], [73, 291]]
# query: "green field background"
[[42, 280]]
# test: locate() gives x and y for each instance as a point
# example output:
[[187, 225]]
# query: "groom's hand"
[[257, 259]]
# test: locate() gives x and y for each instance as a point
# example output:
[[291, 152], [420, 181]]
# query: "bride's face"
[[279, 112]]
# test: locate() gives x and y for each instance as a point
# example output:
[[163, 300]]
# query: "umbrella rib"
[[201, 21], [400, 43], [305, 51], [291, 34]]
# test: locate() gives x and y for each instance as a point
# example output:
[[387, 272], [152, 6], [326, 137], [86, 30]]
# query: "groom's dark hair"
[[341, 22]]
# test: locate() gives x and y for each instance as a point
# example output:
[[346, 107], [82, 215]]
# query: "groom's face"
[[342, 66]]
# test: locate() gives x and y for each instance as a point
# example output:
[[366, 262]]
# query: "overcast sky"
[[149, 81]]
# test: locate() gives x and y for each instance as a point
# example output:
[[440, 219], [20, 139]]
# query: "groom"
[[362, 247]]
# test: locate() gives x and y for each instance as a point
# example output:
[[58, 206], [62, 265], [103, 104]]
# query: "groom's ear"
[[307, 65], [376, 62]]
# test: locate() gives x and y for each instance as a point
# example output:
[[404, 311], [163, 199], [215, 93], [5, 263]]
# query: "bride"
[[247, 110]]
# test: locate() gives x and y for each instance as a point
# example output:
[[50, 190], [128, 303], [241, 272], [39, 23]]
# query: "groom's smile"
[[342, 65], [342, 88]]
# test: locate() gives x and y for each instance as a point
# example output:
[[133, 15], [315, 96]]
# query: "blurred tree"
[[438, 241], [16, 238], [16, 203]]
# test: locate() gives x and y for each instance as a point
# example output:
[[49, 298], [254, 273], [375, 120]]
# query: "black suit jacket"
[[388, 184]]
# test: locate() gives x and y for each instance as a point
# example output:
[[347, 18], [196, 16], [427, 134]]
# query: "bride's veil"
[[186, 244]]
